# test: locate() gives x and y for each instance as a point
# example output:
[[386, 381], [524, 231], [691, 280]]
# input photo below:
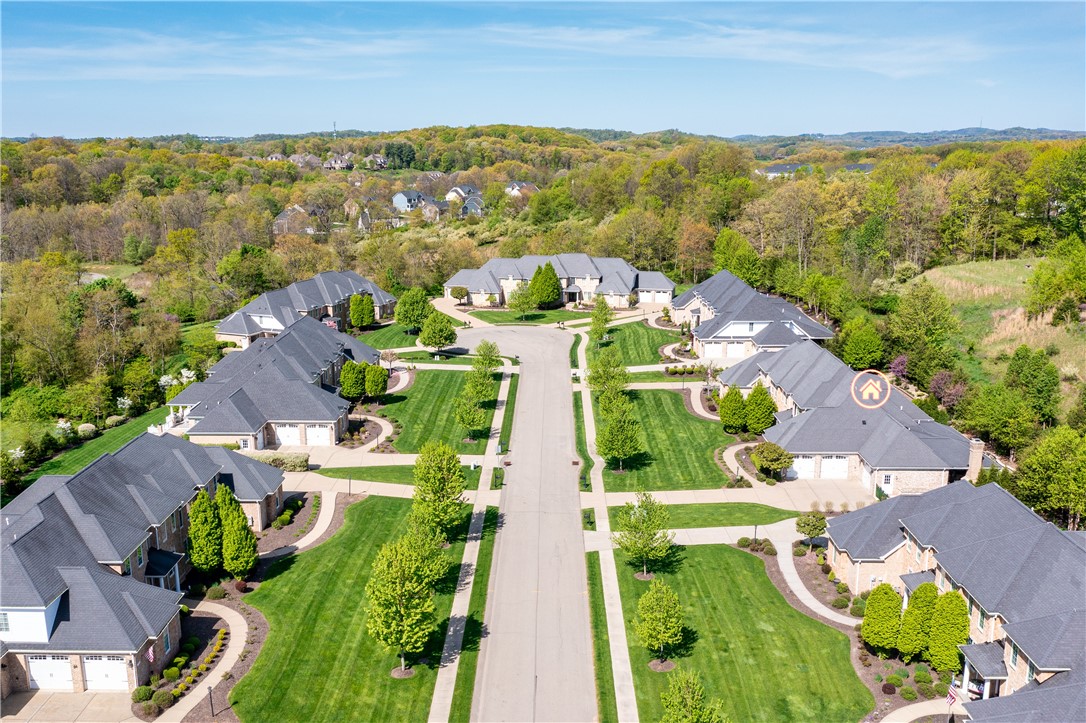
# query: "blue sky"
[[133, 68]]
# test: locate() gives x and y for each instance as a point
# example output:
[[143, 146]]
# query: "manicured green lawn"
[[578, 427], [718, 514], [601, 643], [390, 336], [638, 343], [577, 338], [550, 316], [763, 658], [636, 377], [401, 474], [319, 663], [111, 440], [426, 412], [473, 626], [510, 407], [679, 447], [427, 357]]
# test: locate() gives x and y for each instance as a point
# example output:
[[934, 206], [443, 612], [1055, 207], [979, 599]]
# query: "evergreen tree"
[[437, 332], [642, 531], [400, 594], [659, 622], [949, 629], [521, 301], [733, 411], [439, 487], [684, 700], [238, 541], [760, 410], [882, 620], [412, 309], [912, 639], [620, 437], [361, 311], [376, 380], [352, 380], [545, 287], [861, 346], [205, 534]]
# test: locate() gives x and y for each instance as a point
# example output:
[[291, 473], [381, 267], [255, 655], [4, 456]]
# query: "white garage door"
[[834, 466], [735, 350], [714, 351], [318, 434], [802, 467], [50, 672], [662, 297], [645, 296], [105, 672], [288, 434]]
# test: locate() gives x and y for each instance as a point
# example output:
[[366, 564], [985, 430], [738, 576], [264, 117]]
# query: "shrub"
[[865, 594], [155, 678], [922, 676], [149, 709], [859, 607], [222, 633], [218, 646], [756, 544], [842, 587], [894, 680], [841, 603], [86, 430], [179, 661], [176, 693], [162, 698], [171, 674], [743, 542], [926, 690], [941, 688], [946, 677], [202, 668], [832, 576], [241, 586], [142, 693], [190, 679], [215, 592], [112, 421], [769, 549], [903, 673], [921, 668], [286, 461], [193, 640], [908, 693], [187, 648], [182, 687], [888, 688], [799, 551], [826, 569], [282, 520], [820, 560]]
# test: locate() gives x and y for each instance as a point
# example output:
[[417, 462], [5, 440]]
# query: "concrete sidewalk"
[[909, 713]]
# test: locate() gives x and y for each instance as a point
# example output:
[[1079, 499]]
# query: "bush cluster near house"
[[931, 628], [219, 534]]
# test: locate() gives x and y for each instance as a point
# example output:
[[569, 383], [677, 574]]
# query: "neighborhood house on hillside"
[[520, 188], [583, 278], [731, 320], [277, 391], [1022, 578], [293, 219], [338, 163], [325, 297], [777, 170], [461, 192], [375, 161], [92, 564], [410, 200], [892, 450]]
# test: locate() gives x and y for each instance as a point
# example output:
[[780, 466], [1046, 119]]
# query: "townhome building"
[[1023, 579], [92, 564], [326, 297]]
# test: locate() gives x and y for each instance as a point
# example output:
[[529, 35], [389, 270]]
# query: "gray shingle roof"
[[251, 481], [986, 659], [1052, 642], [1060, 699], [614, 275], [913, 580], [654, 281]]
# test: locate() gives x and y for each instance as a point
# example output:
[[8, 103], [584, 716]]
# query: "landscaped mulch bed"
[[363, 431], [272, 539], [258, 628], [204, 626], [394, 379]]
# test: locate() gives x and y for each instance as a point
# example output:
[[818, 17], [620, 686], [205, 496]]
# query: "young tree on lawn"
[[437, 332], [912, 639], [949, 629], [430, 543], [602, 314], [238, 540], [882, 621], [614, 403], [607, 373], [545, 286], [439, 486], [521, 301], [389, 357], [413, 308], [400, 610], [733, 411], [376, 380], [642, 531], [352, 380], [811, 525], [861, 346], [771, 458], [684, 700], [487, 356], [620, 437], [479, 385], [459, 293], [469, 414], [659, 622], [760, 410], [205, 534]]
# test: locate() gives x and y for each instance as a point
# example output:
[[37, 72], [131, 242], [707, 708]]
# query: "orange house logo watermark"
[[870, 389]]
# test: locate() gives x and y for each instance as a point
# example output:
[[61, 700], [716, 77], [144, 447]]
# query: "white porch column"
[[965, 681], [987, 689], [176, 579]]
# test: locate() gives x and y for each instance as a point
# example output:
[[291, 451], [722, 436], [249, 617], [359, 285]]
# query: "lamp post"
[[211, 701]]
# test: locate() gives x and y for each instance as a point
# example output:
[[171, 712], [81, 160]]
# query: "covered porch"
[[984, 670], [163, 569]]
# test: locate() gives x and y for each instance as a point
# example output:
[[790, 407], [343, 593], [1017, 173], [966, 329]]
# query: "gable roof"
[[613, 275]]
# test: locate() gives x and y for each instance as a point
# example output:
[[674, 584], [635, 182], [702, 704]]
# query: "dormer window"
[[4, 626]]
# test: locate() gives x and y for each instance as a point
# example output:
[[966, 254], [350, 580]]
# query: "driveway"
[[535, 663], [44, 705]]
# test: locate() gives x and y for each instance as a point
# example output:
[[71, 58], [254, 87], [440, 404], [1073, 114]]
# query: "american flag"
[[951, 696], [150, 654]]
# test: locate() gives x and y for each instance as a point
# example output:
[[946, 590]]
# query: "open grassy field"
[[473, 625], [637, 343], [718, 514], [426, 413], [116, 271], [400, 474], [111, 440], [319, 663], [765, 660], [510, 408], [601, 643], [394, 336], [549, 316], [679, 447]]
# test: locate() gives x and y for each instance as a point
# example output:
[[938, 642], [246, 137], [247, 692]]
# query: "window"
[[128, 566], [139, 556], [4, 627], [1014, 655], [750, 327], [970, 601], [918, 553], [1031, 672], [887, 480], [244, 443], [942, 580], [166, 640], [982, 620]]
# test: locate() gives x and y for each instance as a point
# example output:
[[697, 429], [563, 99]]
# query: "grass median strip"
[[718, 514], [510, 407], [400, 474], [601, 643], [582, 442]]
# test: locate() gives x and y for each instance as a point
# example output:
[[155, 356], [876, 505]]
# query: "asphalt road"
[[535, 660]]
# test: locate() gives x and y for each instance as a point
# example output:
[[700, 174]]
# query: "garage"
[[663, 297], [318, 434], [288, 434], [49, 672], [105, 672], [802, 467], [736, 349], [834, 466], [714, 351]]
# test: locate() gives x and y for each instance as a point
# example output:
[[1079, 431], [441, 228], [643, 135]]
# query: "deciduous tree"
[[521, 301], [376, 380], [439, 486], [811, 525], [1052, 475], [771, 458], [437, 332], [602, 314], [659, 622], [352, 380], [413, 308], [400, 595], [684, 700], [620, 436], [642, 530], [861, 346], [607, 373]]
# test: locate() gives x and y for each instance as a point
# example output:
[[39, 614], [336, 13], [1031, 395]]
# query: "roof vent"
[[863, 422]]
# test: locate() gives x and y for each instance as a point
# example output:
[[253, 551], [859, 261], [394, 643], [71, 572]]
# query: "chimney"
[[976, 458]]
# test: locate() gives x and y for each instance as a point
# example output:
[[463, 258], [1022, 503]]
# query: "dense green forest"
[[187, 224]]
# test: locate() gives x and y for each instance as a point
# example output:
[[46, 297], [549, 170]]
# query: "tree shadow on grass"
[[685, 647], [388, 399], [641, 460]]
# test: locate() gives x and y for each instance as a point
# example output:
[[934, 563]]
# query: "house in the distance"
[[408, 200], [326, 297], [293, 219], [583, 278], [786, 170], [517, 189], [375, 161], [473, 206], [461, 192], [730, 320], [337, 162], [1023, 580], [305, 161]]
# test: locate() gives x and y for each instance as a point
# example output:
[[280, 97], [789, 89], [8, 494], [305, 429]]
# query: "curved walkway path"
[[908, 713], [451, 307], [239, 632]]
